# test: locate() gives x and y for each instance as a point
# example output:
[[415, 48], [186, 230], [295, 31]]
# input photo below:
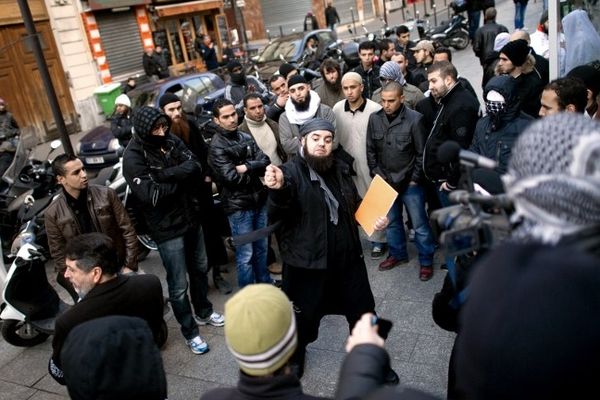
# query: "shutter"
[[287, 14], [121, 41], [343, 9]]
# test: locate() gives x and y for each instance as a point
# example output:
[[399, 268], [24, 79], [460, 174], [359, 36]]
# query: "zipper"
[[429, 137]]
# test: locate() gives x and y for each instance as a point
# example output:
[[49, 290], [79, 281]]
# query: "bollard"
[[435, 14], [353, 21], [280, 30], [425, 13]]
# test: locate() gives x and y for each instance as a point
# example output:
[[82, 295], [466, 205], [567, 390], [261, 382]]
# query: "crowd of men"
[[292, 160]]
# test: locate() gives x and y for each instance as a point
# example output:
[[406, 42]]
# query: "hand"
[[207, 179], [381, 223], [446, 187], [281, 100], [241, 169], [273, 177], [364, 333]]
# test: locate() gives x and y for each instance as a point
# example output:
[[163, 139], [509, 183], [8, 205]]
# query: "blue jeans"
[[181, 255], [414, 201], [251, 258], [442, 195], [520, 15], [474, 19]]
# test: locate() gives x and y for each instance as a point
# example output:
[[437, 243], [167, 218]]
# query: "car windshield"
[[275, 50]]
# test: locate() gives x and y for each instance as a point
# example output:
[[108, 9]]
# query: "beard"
[[335, 86], [181, 129], [302, 106], [320, 164]]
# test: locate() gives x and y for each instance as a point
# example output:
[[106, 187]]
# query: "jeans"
[[181, 255], [520, 15], [414, 200], [474, 19], [251, 258]]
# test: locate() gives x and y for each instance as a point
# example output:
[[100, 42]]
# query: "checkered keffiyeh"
[[391, 70], [554, 177]]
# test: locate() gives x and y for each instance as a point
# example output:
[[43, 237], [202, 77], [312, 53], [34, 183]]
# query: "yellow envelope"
[[377, 203]]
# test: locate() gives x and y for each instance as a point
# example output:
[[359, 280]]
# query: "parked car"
[[198, 92], [290, 48]]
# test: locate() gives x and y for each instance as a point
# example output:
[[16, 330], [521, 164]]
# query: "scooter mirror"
[[55, 144]]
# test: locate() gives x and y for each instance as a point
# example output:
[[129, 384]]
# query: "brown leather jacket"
[[108, 216]]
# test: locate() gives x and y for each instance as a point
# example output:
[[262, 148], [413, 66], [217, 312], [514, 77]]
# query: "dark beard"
[[321, 165], [181, 129], [302, 106], [335, 86]]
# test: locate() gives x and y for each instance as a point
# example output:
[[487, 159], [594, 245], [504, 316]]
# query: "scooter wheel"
[[22, 334], [459, 40]]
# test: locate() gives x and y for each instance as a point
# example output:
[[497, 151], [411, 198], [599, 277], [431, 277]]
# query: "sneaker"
[[215, 319], [390, 263], [426, 272], [197, 345], [377, 252]]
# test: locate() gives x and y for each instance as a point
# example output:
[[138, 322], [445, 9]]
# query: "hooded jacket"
[[159, 175], [495, 135]]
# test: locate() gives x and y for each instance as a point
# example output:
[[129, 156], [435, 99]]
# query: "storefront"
[[175, 27]]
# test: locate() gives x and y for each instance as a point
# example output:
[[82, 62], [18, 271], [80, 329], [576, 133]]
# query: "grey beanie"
[[316, 124]]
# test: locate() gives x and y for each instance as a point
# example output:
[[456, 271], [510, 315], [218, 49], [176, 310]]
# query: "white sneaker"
[[215, 319], [197, 345]]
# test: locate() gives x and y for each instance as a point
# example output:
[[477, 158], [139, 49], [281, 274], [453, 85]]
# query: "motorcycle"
[[451, 33]]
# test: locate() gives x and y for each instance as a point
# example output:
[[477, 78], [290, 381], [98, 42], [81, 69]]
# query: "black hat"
[[516, 51], [285, 69], [144, 119], [529, 329], [296, 79], [167, 98], [113, 357], [316, 124], [233, 64], [589, 75]]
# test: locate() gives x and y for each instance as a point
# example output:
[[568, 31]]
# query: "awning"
[[104, 4], [188, 8]]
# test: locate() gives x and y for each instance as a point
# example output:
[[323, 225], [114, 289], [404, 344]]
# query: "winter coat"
[[328, 96], [239, 192], [275, 128], [370, 79], [235, 93], [121, 127], [208, 55], [331, 16], [412, 95], [160, 177], [300, 206], [290, 133], [530, 88], [495, 137], [395, 149], [483, 43], [457, 115]]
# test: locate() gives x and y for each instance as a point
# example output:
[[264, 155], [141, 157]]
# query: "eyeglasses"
[[161, 126]]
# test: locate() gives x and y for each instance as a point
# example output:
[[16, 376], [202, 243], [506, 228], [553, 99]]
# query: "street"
[[419, 349]]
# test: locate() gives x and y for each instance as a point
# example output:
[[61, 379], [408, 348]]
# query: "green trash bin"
[[106, 96]]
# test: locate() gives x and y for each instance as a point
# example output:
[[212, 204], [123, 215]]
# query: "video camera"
[[478, 221]]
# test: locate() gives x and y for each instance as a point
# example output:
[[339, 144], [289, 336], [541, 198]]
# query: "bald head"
[[520, 34]]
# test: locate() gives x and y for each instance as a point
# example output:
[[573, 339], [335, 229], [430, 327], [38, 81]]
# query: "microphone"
[[464, 197], [451, 151]]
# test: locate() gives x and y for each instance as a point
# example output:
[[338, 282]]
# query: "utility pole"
[[33, 38]]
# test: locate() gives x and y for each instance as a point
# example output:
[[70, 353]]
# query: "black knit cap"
[[285, 69], [233, 64], [516, 51], [144, 119], [167, 98], [589, 75], [316, 124], [296, 79], [113, 358]]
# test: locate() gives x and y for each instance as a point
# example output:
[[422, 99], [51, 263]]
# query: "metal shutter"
[[121, 41], [287, 14], [343, 9]]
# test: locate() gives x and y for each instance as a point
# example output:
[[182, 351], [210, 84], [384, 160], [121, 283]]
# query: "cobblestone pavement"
[[418, 348]]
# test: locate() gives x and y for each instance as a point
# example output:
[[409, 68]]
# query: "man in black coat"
[[331, 16], [160, 170], [483, 43], [314, 199], [455, 118], [92, 269], [395, 142], [367, 69]]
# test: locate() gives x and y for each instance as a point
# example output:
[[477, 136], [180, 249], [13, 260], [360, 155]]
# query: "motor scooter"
[[451, 33]]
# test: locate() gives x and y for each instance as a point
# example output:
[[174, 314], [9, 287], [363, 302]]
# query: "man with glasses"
[[160, 169]]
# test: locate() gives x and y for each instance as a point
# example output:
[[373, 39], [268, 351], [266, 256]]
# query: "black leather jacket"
[[239, 192]]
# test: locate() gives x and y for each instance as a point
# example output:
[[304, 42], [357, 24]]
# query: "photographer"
[[553, 181]]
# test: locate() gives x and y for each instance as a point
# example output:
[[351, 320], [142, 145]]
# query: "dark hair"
[[384, 44], [445, 69], [93, 250], [569, 91], [220, 103], [393, 86], [367, 45], [275, 77], [328, 65], [490, 14], [58, 165], [251, 96], [402, 29], [444, 50]]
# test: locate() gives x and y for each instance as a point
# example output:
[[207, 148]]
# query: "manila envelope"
[[377, 203]]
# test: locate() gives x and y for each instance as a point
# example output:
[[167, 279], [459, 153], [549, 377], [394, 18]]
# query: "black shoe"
[[391, 378]]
